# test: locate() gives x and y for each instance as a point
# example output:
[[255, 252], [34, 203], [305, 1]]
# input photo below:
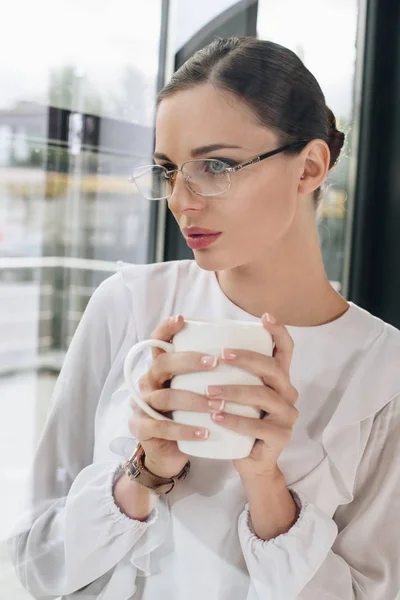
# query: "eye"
[[215, 167], [168, 166]]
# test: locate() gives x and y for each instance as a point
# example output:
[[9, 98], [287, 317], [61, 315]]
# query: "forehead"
[[204, 115]]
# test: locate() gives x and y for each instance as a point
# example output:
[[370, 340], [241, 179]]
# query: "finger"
[[167, 365], [166, 331], [167, 399], [265, 367], [145, 428], [260, 396], [284, 344], [274, 435]]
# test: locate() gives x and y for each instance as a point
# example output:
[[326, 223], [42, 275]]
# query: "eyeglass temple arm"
[[266, 155], [131, 179]]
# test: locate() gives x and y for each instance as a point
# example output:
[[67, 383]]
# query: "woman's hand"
[[276, 398], [159, 438]]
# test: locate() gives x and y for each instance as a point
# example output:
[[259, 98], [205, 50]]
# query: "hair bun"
[[336, 138]]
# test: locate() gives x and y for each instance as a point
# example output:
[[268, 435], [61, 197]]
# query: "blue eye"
[[214, 167]]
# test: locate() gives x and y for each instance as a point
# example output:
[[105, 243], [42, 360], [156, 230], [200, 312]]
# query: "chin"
[[215, 261]]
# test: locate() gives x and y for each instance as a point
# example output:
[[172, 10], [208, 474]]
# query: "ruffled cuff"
[[151, 537], [301, 506], [115, 512], [140, 559], [280, 568], [96, 533]]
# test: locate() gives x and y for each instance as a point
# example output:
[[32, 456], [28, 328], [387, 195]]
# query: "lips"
[[190, 231], [198, 237]]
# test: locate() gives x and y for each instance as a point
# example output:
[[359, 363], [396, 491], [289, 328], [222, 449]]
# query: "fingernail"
[[202, 434], [209, 361], [214, 390], [175, 319], [218, 416], [228, 354], [216, 404], [269, 318]]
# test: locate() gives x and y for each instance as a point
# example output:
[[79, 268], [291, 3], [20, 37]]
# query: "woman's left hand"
[[276, 398]]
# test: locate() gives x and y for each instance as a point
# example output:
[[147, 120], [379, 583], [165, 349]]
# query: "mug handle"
[[130, 357]]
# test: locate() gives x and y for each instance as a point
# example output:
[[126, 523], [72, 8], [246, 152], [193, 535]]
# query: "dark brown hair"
[[272, 81]]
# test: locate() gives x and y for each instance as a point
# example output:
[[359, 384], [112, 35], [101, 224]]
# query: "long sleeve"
[[355, 555], [71, 532]]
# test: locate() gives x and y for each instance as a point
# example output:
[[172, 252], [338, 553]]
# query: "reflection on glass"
[[77, 90]]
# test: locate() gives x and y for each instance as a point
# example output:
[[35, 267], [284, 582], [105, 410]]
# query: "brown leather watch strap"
[[136, 471]]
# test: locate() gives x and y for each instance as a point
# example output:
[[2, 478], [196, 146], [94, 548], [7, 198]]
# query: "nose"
[[182, 198]]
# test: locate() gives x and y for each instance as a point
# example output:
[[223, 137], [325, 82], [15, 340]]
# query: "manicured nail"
[[269, 318], [228, 354], [218, 416], [216, 404], [202, 434], [214, 390], [209, 361]]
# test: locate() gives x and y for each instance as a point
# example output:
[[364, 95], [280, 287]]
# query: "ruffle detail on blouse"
[[130, 272], [279, 567], [374, 375], [371, 387], [141, 562], [116, 513], [143, 557], [301, 502], [122, 583], [153, 289]]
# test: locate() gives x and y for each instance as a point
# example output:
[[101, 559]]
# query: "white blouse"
[[342, 464]]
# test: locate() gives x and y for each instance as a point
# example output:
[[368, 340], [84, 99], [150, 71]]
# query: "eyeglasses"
[[203, 177]]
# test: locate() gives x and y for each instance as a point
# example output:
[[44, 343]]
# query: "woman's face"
[[258, 210]]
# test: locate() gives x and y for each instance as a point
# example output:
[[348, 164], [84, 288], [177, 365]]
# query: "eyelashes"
[[168, 166], [228, 161]]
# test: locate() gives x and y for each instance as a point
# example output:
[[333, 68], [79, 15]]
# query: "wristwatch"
[[136, 471]]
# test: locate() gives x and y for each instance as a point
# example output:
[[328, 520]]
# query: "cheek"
[[264, 208]]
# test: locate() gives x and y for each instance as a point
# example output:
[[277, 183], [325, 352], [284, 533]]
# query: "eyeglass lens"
[[204, 177]]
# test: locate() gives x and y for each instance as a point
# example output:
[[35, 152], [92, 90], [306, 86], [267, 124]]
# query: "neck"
[[290, 283]]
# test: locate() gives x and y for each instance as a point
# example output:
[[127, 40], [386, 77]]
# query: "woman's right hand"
[[159, 438]]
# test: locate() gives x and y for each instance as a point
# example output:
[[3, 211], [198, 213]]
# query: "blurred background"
[[78, 82]]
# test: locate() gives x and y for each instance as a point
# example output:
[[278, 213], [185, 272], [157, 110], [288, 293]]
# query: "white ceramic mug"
[[209, 338]]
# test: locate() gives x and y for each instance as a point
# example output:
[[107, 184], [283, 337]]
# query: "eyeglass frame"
[[233, 169]]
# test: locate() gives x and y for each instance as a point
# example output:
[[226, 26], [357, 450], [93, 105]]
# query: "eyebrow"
[[199, 151]]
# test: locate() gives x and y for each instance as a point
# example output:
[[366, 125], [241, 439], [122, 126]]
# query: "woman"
[[312, 513]]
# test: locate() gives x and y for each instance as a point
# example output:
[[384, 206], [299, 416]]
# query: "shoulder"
[[117, 289], [156, 274], [382, 342], [160, 281], [389, 357], [375, 380], [392, 344], [144, 293], [381, 352]]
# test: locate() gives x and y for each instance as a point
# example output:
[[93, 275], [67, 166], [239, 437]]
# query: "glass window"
[[333, 65], [77, 93]]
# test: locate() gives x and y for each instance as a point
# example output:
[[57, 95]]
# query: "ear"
[[315, 159]]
